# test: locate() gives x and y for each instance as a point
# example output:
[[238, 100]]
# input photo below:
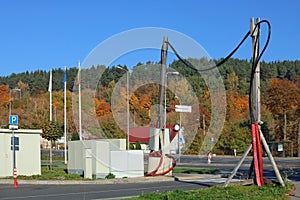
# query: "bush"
[[138, 145], [131, 146], [110, 176]]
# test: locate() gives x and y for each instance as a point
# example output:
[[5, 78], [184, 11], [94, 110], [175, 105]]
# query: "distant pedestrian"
[[234, 152], [209, 157]]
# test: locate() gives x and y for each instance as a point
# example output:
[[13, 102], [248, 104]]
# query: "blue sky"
[[52, 34]]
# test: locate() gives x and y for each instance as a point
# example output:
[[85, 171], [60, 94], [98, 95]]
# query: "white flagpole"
[[50, 90], [79, 102], [65, 113]]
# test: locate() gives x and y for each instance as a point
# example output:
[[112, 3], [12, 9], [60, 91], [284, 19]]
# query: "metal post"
[[50, 95], [65, 116], [127, 106], [9, 102], [127, 94], [180, 134], [14, 160], [165, 104], [79, 102], [13, 147]]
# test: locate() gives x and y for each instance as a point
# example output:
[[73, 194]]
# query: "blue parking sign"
[[13, 119]]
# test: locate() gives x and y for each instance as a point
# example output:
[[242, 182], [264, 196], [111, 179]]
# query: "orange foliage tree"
[[4, 95], [283, 99], [102, 107], [4, 102]]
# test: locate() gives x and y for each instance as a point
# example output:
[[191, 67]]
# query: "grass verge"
[[194, 170], [267, 192], [54, 174]]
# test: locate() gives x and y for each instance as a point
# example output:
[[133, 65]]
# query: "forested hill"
[[280, 99], [37, 81]]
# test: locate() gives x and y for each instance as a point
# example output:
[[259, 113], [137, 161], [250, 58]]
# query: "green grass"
[[46, 157], [56, 173], [268, 192], [194, 170]]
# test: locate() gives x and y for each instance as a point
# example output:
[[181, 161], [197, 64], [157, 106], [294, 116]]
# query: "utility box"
[[98, 158], [101, 157], [28, 153], [127, 163]]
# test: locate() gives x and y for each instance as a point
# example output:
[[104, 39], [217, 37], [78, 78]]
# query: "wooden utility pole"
[[162, 85], [255, 90], [256, 79], [255, 107]]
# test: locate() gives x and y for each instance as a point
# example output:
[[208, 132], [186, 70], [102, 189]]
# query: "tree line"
[[280, 86]]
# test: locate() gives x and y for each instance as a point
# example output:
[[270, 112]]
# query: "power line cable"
[[254, 60], [188, 64]]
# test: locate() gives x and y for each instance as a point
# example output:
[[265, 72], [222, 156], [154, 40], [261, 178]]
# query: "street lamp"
[[165, 109], [10, 91], [127, 99]]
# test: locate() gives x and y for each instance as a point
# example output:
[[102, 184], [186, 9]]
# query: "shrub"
[[110, 176]]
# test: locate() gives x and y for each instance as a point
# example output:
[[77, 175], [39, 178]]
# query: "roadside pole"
[[14, 159], [13, 125]]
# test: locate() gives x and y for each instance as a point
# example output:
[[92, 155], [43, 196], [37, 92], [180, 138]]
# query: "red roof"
[[142, 134]]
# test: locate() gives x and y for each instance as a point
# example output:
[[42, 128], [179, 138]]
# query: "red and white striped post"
[[15, 178], [209, 157]]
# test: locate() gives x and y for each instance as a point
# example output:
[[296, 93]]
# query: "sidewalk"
[[297, 191]]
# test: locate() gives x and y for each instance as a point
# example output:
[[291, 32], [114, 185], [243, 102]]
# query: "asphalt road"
[[91, 191], [288, 166], [108, 191]]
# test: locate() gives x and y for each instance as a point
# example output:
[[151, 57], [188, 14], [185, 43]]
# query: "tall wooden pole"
[[161, 112], [256, 95], [255, 107], [256, 79], [162, 81], [255, 90]]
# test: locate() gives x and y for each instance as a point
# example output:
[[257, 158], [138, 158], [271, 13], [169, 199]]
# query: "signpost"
[[180, 109], [13, 125]]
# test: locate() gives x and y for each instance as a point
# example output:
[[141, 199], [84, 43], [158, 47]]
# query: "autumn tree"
[[4, 103], [102, 107], [237, 105], [282, 100], [51, 132], [4, 96]]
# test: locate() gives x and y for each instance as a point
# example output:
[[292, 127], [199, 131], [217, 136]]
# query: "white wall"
[[28, 158], [104, 156]]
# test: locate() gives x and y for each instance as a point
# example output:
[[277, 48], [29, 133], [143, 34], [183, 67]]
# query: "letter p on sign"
[[13, 119]]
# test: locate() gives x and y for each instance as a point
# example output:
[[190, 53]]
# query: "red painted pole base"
[[15, 183], [15, 178]]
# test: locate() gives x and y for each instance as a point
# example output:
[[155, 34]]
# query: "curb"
[[196, 176], [98, 181]]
